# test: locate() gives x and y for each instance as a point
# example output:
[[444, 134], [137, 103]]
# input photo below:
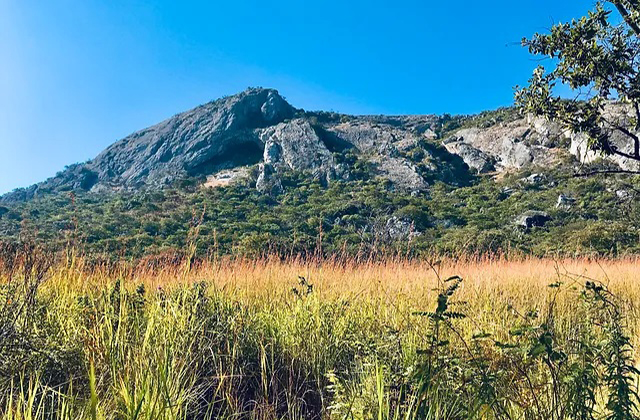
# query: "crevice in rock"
[[238, 154], [331, 141]]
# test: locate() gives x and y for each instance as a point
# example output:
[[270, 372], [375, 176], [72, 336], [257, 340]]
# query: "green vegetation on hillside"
[[361, 217]]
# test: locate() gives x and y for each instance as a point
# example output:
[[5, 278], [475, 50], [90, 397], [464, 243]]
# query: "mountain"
[[221, 139], [256, 126], [251, 172]]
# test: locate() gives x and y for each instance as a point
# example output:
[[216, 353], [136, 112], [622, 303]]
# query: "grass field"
[[268, 339]]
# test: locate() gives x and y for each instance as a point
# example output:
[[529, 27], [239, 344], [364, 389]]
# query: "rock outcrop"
[[294, 145], [218, 135], [565, 202], [383, 143], [504, 146], [616, 115], [538, 142], [532, 218], [218, 142], [476, 159], [400, 229], [255, 127]]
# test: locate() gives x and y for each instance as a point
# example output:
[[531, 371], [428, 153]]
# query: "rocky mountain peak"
[[258, 127], [214, 136]]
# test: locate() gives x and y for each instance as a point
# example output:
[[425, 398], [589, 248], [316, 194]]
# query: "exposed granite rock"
[[506, 192], [222, 134], [539, 142], [386, 144], [400, 229], [534, 179], [579, 148], [258, 128], [623, 194], [268, 182], [255, 127], [474, 158], [616, 115], [218, 135], [294, 145], [565, 202], [382, 144], [511, 145]]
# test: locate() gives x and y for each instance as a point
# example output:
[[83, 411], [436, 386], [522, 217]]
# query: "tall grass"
[[267, 339]]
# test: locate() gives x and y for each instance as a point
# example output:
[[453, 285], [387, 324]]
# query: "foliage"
[[196, 347], [345, 218], [598, 59]]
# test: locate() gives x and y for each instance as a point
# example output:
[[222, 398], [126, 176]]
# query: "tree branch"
[[615, 151], [607, 171], [636, 144], [627, 18]]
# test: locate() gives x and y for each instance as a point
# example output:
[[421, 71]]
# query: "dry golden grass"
[[264, 275], [495, 290], [491, 286], [359, 325]]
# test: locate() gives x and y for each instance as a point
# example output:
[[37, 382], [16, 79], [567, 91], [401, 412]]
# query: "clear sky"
[[77, 75]]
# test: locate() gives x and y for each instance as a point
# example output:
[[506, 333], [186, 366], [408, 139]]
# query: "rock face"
[[219, 135], [616, 115], [383, 144], [504, 146], [211, 137], [537, 142], [294, 145], [579, 148], [476, 159], [221, 140]]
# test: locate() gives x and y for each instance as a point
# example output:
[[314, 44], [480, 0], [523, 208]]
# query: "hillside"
[[251, 173]]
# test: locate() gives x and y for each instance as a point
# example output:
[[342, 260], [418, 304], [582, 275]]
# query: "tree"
[[598, 57]]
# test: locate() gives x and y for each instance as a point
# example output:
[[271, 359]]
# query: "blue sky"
[[76, 75]]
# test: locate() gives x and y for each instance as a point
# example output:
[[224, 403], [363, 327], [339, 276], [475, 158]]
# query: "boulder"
[[506, 192], [514, 154], [565, 202], [508, 145], [532, 218], [534, 179], [400, 228], [623, 194], [429, 134], [476, 159]]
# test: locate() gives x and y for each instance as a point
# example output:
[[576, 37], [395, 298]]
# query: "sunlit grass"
[[232, 339]]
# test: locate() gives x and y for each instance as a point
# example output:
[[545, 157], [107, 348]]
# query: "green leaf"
[[537, 350]]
